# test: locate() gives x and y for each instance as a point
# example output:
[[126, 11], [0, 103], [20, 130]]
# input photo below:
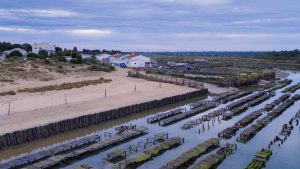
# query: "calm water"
[[284, 157]]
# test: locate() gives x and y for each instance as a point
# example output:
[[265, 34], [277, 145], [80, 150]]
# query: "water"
[[284, 157]]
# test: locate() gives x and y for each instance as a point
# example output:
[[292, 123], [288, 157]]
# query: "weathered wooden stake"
[[8, 108], [134, 88], [66, 101], [105, 92]]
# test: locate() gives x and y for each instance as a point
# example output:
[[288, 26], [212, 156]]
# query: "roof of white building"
[[43, 45]]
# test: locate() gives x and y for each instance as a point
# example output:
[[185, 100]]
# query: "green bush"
[[15, 54]]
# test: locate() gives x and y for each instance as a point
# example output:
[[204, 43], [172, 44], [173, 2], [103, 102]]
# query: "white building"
[[138, 61], [102, 57], [36, 47], [86, 56]]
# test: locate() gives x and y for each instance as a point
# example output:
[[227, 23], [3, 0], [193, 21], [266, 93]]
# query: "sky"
[[154, 25]]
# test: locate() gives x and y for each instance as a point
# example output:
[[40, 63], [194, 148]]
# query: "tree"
[[43, 54], [32, 55], [5, 46], [58, 49], [27, 47], [16, 46], [15, 54]]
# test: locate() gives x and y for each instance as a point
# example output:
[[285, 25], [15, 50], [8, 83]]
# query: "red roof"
[[115, 55], [131, 55]]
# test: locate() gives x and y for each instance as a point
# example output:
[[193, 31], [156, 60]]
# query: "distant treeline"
[[8, 46], [275, 55], [282, 55]]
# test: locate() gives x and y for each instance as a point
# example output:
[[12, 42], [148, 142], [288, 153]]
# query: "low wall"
[[31, 134]]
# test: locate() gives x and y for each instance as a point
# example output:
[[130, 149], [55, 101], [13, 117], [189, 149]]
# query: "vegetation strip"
[[65, 86], [183, 160]]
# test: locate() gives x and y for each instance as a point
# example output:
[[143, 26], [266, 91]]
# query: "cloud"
[[90, 32], [38, 12], [77, 32], [199, 2]]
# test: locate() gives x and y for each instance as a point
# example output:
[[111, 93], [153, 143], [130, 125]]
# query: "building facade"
[[36, 47]]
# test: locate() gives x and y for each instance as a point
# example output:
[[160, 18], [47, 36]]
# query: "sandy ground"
[[34, 109]]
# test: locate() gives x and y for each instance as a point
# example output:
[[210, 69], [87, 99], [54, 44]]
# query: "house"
[[8, 52], [138, 61], [36, 47], [115, 59], [86, 56], [103, 57]]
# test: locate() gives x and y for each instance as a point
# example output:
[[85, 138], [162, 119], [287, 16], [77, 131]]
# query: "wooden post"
[[8, 108], [66, 101], [105, 93], [134, 88], [159, 84]]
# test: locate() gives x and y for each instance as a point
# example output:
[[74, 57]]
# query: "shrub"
[[15, 54], [7, 93]]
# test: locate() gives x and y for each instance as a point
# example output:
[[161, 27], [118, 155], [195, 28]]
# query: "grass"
[[7, 93], [64, 86]]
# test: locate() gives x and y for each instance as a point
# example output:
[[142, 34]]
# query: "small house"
[[138, 61]]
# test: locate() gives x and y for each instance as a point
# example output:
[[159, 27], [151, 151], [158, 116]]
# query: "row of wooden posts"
[[66, 98], [31, 134]]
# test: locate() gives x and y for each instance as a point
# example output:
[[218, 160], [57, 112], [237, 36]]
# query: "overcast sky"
[[154, 25]]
